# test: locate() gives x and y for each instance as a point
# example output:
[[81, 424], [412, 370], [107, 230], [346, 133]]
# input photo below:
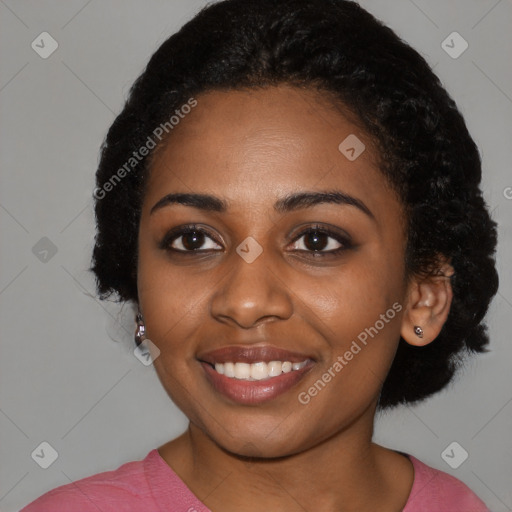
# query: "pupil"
[[315, 237], [192, 240]]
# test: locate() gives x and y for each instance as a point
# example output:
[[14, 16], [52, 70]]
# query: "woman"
[[292, 201]]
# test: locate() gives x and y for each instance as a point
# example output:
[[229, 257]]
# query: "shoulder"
[[436, 490], [118, 490]]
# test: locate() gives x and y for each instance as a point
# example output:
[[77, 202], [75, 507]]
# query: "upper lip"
[[251, 354]]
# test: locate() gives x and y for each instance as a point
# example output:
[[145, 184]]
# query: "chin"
[[259, 441]]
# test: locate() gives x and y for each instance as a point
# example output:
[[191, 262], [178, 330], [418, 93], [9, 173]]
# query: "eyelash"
[[178, 232]]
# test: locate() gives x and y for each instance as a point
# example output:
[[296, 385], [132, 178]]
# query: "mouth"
[[252, 375], [257, 371]]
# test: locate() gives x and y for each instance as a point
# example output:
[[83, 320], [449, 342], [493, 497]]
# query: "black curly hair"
[[425, 150]]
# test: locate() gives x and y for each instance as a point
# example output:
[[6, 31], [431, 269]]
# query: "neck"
[[346, 472]]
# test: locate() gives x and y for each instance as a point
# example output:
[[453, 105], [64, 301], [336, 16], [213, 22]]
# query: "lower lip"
[[250, 392]]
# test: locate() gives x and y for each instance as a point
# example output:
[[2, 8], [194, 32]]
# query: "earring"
[[140, 330], [418, 331]]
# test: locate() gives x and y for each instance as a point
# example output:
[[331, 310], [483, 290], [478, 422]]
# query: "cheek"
[[173, 304], [351, 299], [173, 301], [358, 313]]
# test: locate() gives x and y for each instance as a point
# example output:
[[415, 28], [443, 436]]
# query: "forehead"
[[253, 146]]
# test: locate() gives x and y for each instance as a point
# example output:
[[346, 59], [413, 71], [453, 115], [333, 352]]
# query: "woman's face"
[[260, 281]]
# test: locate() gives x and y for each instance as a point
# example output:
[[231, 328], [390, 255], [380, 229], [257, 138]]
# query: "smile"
[[251, 391], [257, 371], [253, 374]]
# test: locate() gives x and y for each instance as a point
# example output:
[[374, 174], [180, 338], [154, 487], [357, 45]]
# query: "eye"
[[316, 241], [188, 239]]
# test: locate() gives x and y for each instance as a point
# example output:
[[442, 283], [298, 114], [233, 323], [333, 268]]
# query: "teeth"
[[229, 369], [257, 371], [242, 370], [274, 368]]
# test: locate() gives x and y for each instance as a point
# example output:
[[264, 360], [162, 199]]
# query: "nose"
[[251, 293]]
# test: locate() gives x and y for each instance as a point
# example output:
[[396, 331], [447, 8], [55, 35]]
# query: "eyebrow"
[[289, 203]]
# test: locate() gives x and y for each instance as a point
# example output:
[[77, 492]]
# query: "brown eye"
[[192, 240], [316, 241], [321, 241], [188, 239]]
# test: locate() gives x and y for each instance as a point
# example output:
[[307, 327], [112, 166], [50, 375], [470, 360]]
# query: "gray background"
[[68, 373]]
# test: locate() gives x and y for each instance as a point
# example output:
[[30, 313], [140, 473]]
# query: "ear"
[[428, 303]]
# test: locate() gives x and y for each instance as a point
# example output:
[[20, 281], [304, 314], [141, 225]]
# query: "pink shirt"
[[150, 485]]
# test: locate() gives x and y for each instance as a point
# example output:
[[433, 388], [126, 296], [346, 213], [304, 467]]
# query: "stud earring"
[[140, 330], [418, 331]]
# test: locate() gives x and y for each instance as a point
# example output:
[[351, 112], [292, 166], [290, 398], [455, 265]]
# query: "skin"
[[252, 148]]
